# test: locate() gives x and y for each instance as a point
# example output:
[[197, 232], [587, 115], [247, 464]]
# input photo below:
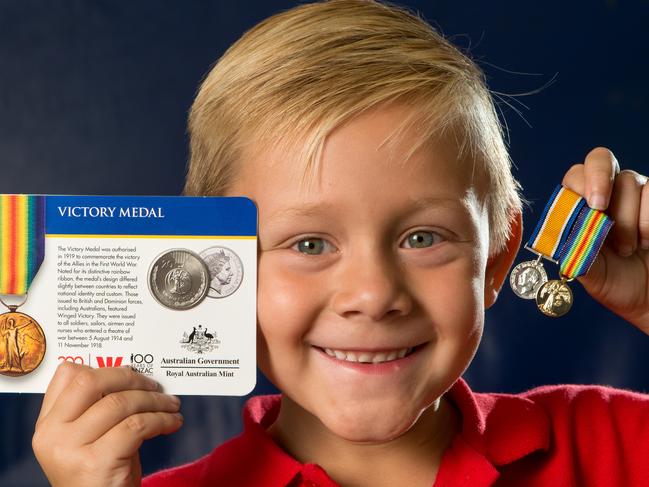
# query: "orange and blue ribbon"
[[22, 241], [555, 223]]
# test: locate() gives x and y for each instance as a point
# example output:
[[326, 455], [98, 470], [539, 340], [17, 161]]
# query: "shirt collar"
[[497, 429], [502, 427], [269, 461], [273, 466]]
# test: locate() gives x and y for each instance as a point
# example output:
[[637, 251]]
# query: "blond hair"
[[302, 73]]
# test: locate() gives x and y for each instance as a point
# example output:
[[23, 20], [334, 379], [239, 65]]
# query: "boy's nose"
[[371, 287]]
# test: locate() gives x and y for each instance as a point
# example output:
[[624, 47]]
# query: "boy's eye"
[[311, 246], [421, 239]]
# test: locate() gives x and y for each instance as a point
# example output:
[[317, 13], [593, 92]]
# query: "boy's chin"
[[367, 424]]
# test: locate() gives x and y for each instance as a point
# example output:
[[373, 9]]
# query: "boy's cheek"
[[280, 288], [287, 304], [453, 290]]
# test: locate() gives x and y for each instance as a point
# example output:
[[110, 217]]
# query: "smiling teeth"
[[368, 357]]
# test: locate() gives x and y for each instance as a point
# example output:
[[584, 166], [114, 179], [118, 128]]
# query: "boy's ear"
[[499, 264]]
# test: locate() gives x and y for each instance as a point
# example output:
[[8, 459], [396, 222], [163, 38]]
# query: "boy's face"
[[374, 258]]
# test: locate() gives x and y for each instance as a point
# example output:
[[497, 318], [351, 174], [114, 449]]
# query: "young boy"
[[388, 221]]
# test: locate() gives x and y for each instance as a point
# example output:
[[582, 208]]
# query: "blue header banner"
[[150, 215]]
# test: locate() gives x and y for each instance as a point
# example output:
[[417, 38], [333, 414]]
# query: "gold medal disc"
[[22, 344], [554, 298]]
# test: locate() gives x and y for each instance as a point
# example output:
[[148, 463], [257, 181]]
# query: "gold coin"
[[22, 344], [554, 298]]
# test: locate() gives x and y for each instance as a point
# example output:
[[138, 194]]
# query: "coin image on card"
[[226, 271], [527, 278], [22, 344], [554, 298], [179, 279]]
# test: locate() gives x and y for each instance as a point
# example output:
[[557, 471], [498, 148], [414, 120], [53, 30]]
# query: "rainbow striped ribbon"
[[584, 242], [22, 241], [555, 223]]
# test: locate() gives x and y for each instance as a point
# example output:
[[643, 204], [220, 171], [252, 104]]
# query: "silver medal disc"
[[226, 271], [527, 278], [179, 279]]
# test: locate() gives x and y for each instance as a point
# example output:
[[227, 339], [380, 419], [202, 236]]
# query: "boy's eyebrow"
[[433, 201], [305, 210], [316, 209]]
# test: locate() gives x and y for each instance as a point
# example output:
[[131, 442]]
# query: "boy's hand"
[[93, 421], [619, 277]]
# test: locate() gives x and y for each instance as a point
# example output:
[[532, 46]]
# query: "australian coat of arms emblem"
[[200, 340]]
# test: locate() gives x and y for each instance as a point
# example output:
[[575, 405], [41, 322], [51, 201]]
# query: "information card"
[[166, 285]]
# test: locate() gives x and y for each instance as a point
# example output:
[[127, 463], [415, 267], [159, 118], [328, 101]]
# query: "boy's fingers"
[[625, 210], [600, 168], [63, 376], [574, 179], [116, 407], [643, 219], [90, 385], [124, 439]]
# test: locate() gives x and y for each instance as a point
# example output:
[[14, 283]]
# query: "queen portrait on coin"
[[222, 273], [226, 271]]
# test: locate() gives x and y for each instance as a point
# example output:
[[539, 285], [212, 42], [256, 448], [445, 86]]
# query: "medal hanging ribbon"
[[559, 214], [22, 241], [570, 234], [22, 248], [584, 242]]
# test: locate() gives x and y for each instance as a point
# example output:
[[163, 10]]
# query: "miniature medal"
[[578, 253], [22, 239], [546, 241], [570, 234], [527, 277], [554, 298]]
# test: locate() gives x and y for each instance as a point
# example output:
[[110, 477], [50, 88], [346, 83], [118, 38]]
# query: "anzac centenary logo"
[[199, 340], [142, 363]]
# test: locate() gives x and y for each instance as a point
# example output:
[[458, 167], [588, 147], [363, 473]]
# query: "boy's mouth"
[[369, 357]]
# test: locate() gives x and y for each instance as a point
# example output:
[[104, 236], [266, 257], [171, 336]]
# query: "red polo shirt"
[[551, 436]]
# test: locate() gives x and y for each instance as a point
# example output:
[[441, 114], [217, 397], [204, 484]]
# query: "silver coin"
[[554, 298], [527, 278], [226, 271], [179, 279]]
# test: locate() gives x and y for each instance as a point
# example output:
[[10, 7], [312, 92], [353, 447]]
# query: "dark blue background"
[[94, 96]]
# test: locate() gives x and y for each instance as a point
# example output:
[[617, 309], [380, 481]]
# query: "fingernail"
[[179, 417], [597, 202], [645, 244], [175, 400], [625, 250]]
